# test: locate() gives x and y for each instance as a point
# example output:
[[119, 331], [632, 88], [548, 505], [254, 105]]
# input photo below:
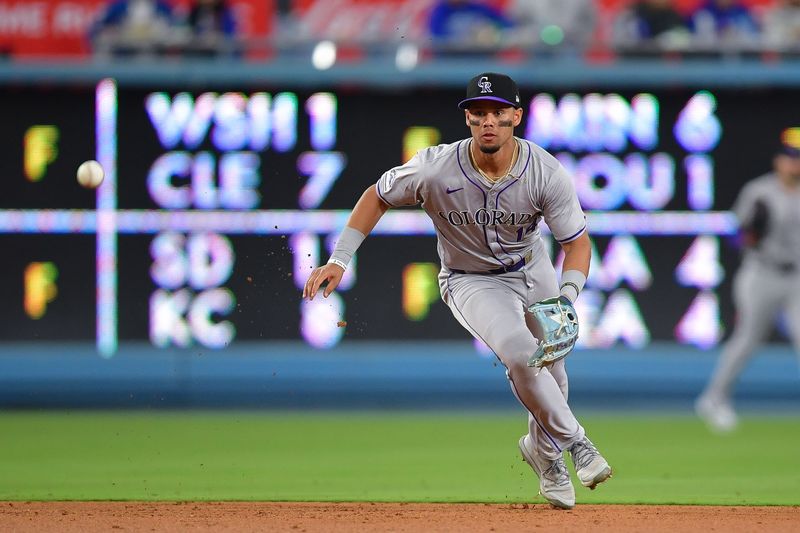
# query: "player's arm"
[[564, 216], [753, 215], [368, 211], [577, 255], [556, 342], [753, 229]]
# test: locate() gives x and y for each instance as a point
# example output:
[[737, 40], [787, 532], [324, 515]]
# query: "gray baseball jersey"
[[483, 225]]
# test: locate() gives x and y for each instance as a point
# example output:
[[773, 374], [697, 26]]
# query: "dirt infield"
[[88, 517]]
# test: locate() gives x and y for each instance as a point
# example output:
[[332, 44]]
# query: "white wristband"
[[336, 262], [572, 282], [347, 244]]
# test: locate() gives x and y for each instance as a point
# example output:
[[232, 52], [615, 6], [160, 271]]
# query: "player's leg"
[[492, 308], [539, 439], [590, 466], [757, 296], [545, 286], [558, 369]]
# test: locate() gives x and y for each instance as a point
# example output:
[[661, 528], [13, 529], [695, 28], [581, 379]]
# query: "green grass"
[[379, 457]]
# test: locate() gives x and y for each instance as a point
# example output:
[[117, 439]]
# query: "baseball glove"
[[559, 325]]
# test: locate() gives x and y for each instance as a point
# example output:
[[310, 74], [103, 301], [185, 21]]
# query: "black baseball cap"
[[492, 86], [790, 142]]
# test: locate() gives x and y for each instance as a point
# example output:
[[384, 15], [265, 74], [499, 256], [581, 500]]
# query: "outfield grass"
[[379, 457]]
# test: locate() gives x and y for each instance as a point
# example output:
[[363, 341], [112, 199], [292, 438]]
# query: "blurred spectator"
[[467, 24], [782, 25], [212, 28], [131, 27], [554, 22], [724, 22], [653, 22], [285, 15]]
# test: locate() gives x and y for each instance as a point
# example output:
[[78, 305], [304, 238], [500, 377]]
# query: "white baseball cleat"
[[718, 414], [590, 466], [554, 482]]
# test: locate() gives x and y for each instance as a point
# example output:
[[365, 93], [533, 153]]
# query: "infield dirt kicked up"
[[88, 517]]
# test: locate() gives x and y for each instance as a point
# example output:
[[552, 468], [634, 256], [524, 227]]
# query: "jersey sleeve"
[[401, 186], [561, 209]]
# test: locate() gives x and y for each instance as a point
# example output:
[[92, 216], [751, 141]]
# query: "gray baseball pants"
[[493, 309]]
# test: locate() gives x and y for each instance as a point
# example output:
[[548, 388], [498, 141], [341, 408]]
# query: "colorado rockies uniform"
[[767, 282], [494, 263], [485, 227]]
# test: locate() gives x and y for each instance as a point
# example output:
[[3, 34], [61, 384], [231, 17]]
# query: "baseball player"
[[768, 280], [487, 196]]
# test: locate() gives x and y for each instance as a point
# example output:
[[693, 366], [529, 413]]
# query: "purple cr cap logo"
[[485, 85]]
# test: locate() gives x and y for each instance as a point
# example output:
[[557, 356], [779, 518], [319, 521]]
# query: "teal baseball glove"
[[559, 324]]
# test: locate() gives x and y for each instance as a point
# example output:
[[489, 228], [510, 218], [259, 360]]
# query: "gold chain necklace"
[[508, 170]]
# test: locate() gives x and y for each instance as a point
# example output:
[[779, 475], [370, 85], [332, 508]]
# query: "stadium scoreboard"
[[217, 204]]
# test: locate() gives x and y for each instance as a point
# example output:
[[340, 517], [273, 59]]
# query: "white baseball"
[[90, 174]]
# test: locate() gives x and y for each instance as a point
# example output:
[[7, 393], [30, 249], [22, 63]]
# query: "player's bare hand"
[[328, 273]]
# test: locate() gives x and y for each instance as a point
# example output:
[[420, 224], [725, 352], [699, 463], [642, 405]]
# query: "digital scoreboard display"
[[216, 206]]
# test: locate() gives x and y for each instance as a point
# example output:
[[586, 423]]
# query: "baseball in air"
[[90, 174]]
